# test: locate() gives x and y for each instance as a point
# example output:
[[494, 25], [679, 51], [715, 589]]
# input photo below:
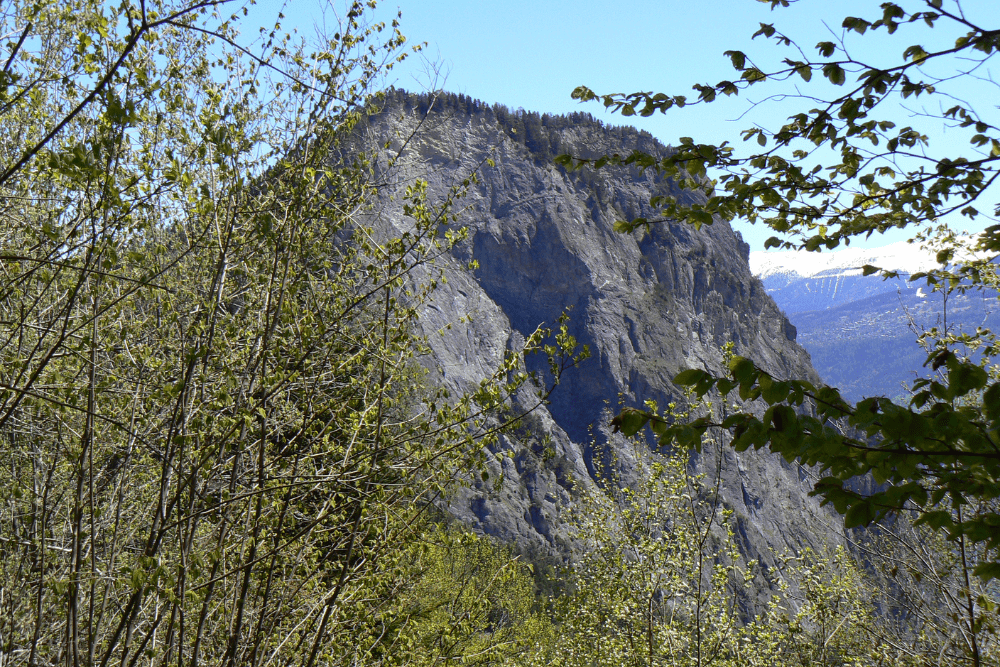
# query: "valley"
[[862, 331]]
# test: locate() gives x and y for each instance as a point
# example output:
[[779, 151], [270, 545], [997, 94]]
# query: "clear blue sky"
[[533, 53]]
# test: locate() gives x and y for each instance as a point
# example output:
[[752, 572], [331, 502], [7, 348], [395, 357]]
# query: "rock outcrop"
[[647, 305]]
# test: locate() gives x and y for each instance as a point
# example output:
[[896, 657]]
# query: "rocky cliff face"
[[646, 305]]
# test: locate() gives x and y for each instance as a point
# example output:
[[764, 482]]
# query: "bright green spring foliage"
[[216, 441], [840, 168], [468, 600], [823, 615], [659, 581], [653, 585], [939, 459]]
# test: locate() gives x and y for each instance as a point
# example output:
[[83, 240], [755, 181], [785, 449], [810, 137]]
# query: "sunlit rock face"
[[647, 306]]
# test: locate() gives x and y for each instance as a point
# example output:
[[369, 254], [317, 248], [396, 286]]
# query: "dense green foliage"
[[217, 443], [654, 582], [659, 581], [837, 169], [219, 447]]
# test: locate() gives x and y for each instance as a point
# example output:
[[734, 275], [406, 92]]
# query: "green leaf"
[[772, 392], [936, 519], [629, 421], [991, 402], [862, 513], [987, 571], [766, 29], [738, 58], [916, 54], [856, 24], [783, 419], [965, 378], [626, 226], [691, 376], [835, 73], [732, 421], [742, 369], [699, 218]]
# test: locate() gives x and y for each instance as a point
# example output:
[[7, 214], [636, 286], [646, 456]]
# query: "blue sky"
[[533, 53]]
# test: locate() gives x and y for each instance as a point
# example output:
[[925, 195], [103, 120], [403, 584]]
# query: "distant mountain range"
[[805, 281], [861, 330]]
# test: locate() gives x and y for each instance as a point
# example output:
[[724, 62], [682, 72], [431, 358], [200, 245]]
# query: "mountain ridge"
[[647, 305], [903, 256], [862, 331]]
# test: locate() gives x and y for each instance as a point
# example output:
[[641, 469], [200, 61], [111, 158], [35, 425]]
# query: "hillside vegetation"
[[227, 442]]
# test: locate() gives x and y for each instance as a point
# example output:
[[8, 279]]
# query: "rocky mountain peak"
[[648, 305]]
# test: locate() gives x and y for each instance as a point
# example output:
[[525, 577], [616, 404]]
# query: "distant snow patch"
[[902, 256]]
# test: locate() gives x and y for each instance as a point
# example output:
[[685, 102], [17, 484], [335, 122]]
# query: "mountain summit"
[[647, 305]]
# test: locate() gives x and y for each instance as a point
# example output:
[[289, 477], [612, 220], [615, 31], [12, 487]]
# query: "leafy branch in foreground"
[[216, 438], [880, 177], [927, 458], [659, 581], [839, 168]]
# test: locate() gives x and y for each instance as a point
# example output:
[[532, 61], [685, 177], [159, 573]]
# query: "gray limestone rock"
[[647, 305]]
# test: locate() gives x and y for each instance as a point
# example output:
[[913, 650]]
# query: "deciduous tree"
[[844, 166], [215, 435]]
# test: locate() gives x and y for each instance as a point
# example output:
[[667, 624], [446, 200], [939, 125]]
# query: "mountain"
[[647, 306], [861, 331], [805, 281]]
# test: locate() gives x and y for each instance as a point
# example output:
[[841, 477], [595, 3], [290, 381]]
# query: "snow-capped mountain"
[[805, 281], [861, 331], [902, 256]]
